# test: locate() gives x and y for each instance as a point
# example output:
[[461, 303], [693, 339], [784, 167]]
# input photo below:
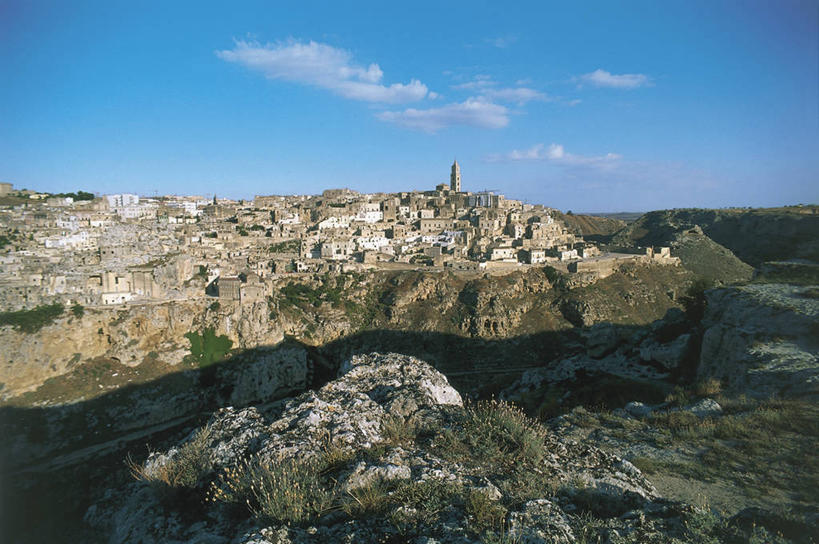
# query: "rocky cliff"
[[127, 335], [324, 310]]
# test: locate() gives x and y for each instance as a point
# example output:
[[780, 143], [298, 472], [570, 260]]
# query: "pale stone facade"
[[455, 178]]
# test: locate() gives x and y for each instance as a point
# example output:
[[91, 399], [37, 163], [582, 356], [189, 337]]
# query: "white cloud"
[[554, 153], [323, 66], [520, 95], [480, 81], [474, 112], [602, 78], [486, 87]]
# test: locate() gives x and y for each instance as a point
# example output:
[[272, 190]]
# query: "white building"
[[122, 200], [334, 222], [374, 243]]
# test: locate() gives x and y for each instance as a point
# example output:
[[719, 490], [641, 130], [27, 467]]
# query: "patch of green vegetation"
[[207, 348], [79, 195], [78, 310], [33, 320], [211, 235], [214, 306], [552, 274], [330, 290], [289, 246]]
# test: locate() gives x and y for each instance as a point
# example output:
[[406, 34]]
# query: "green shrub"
[[78, 310], [207, 348], [32, 320]]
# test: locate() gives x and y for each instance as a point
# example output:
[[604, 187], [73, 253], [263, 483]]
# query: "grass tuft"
[[185, 469]]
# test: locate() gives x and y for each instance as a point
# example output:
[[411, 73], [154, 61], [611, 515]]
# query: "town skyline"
[[592, 108]]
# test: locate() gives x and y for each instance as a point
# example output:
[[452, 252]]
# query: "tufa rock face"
[[438, 483], [762, 339]]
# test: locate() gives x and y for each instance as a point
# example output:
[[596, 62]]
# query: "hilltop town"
[[80, 249]]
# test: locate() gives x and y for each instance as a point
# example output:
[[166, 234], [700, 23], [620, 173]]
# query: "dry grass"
[[496, 432], [276, 492], [185, 469]]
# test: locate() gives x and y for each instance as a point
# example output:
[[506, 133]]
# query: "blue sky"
[[592, 106]]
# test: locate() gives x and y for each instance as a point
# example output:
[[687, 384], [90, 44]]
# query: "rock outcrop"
[[393, 455], [762, 340]]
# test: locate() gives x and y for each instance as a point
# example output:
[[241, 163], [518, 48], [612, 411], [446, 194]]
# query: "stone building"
[[455, 177], [229, 288]]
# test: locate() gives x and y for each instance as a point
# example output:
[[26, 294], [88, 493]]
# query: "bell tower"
[[455, 178]]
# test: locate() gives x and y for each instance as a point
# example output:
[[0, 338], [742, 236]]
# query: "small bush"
[[78, 310], [280, 492], [370, 499], [497, 430], [423, 501]]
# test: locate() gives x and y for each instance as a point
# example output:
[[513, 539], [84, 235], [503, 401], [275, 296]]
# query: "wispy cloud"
[[501, 42], [554, 153], [480, 81], [520, 95], [475, 112], [488, 89], [322, 66], [602, 78]]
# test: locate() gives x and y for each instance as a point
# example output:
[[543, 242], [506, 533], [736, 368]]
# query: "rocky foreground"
[[389, 452]]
